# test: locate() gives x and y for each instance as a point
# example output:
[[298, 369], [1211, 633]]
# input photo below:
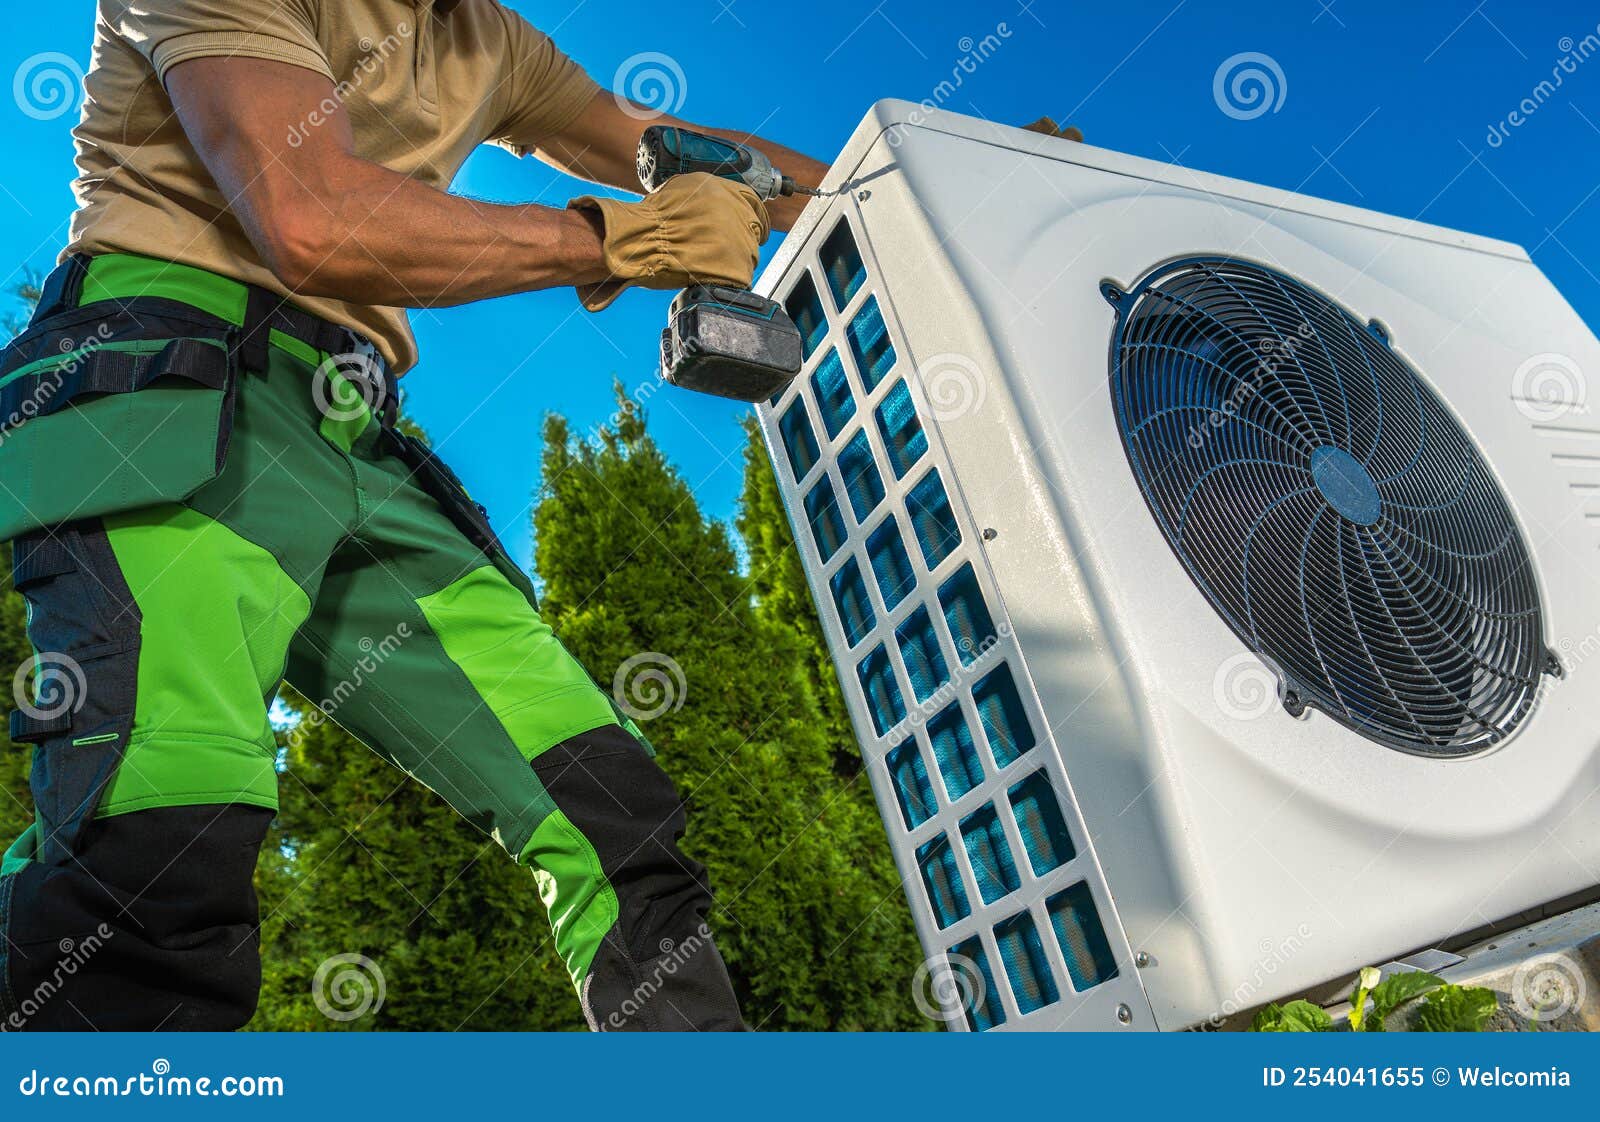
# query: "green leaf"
[[1297, 1016], [1394, 991], [1452, 1008]]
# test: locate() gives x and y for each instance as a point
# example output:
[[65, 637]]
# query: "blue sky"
[[1385, 105]]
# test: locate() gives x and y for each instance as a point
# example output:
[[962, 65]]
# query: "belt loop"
[[389, 414], [62, 288], [256, 331]]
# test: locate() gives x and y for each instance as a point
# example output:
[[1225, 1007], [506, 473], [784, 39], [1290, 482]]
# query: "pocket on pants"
[[102, 411], [75, 703]]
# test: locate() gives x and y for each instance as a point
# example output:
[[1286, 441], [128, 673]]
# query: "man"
[[207, 494]]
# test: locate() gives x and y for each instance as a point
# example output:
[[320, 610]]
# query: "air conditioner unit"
[[1211, 571]]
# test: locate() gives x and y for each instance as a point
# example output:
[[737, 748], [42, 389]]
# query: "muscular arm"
[[601, 143], [328, 223]]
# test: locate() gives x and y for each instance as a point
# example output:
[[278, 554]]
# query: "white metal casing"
[[1240, 857]]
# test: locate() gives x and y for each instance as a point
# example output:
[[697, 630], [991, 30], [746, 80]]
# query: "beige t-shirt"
[[422, 89]]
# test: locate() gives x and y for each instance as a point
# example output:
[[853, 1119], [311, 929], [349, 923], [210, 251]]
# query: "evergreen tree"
[[782, 598], [809, 911], [362, 860]]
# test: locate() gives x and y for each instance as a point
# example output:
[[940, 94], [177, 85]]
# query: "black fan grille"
[[1328, 505]]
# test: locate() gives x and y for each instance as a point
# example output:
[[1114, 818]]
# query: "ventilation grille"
[[966, 790], [1328, 505]]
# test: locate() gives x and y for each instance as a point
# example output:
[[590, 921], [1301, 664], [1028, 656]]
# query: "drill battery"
[[729, 342]]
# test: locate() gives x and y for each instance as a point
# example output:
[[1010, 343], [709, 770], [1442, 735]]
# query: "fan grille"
[[1328, 505]]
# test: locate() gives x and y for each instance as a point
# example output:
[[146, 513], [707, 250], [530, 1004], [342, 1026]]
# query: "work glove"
[[694, 229], [1048, 126]]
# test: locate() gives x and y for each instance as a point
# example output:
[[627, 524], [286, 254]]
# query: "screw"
[[1142, 959], [1124, 1014], [990, 533], [863, 196]]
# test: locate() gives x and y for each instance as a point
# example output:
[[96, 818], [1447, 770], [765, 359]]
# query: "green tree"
[[364, 861], [809, 915], [777, 580]]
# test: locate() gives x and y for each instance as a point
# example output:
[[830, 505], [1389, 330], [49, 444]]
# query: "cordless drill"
[[724, 341]]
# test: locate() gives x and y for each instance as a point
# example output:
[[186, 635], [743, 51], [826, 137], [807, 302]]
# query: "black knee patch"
[[658, 967], [152, 924]]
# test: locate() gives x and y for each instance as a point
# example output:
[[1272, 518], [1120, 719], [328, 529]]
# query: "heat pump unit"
[[1211, 571]]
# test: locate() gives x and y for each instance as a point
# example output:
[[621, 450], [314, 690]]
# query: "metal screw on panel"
[[1124, 1014], [863, 196], [990, 533], [1142, 959]]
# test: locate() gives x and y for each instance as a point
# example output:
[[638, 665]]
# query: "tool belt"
[[127, 401]]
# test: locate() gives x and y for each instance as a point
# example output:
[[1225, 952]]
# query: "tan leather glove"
[[695, 229], [1048, 127]]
